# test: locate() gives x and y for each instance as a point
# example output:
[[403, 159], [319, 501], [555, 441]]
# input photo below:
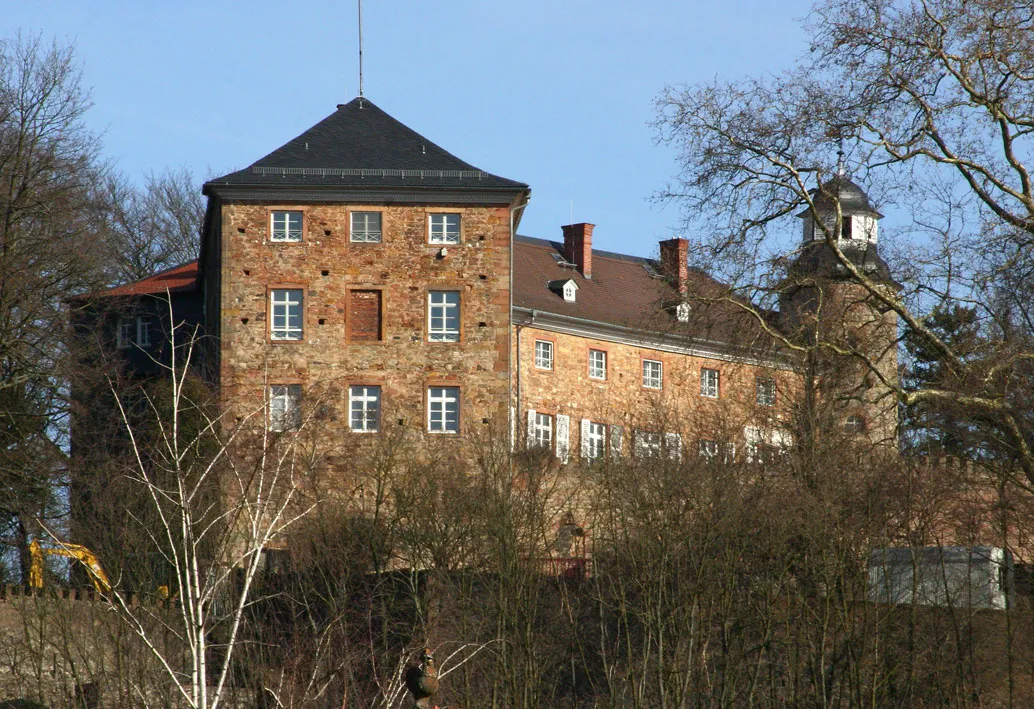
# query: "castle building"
[[365, 268]]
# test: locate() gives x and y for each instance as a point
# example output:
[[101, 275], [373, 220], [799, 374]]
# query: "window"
[[284, 407], [854, 425], [364, 315], [444, 228], [594, 440], [133, 331], [364, 409], [543, 354], [285, 225], [707, 449], [597, 364], [443, 409], [653, 374], [648, 444], [709, 383], [540, 434], [365, 227], [765, 391], [285, 314], [143, 332], [443, 316]]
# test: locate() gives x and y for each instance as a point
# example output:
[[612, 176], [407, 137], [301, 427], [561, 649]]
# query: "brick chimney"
[[578, 246], [675, 262]]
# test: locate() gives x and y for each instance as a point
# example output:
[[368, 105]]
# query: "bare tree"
[[930, 100]]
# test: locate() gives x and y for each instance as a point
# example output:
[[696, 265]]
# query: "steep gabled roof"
[[361, 146]]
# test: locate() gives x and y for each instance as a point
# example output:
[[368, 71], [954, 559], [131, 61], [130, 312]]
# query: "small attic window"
[[682, 312], [566, 288]]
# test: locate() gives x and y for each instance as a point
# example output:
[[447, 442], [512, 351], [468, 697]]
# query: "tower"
[[833, 300]]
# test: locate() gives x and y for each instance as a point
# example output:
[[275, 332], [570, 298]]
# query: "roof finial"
[[840, 156], [360, 53]]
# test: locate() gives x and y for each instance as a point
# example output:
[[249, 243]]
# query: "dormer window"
[[566, 288], [682, 312]]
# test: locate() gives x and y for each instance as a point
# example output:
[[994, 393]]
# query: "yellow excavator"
[[73, 551]]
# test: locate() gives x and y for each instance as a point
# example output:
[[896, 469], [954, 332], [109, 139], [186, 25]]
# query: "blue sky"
[[556, 93]]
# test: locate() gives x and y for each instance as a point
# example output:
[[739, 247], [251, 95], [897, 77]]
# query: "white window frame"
[[707, 449], [598, 364], [710, 383], [362, 233], [540, 430], [653, 374], [765, 391], [441, 231], [443, 410], [594, 440], [440, 308], [282, 303], [143, 331], [285, 407], [543, 354], [855, 425], [364, 408], [124, 332], [648, 444], [280, 229]]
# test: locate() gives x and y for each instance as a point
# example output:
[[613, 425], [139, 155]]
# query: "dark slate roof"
[[361, 146], [818, 260], [852, 198], [628, 291]]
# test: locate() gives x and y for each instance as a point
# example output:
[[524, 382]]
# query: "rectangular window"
[[653, 374], [765, 391], [285, 225], [707, 449], [364, 409], [364, 315], [543, 354], [365, 227], [143, 332], [595, 443], [126, 330], [709, 383], [285, 314], [597, 364], [647, 444], [541, 433], [285, 407], [444, 228], [443, 409], [443, 316]]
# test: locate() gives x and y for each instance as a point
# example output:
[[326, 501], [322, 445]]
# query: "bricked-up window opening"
[[285, 407], [364, 406], [543, 354], [854, 425], [444, 228], [597, 364], [364, 314], [443, 316], [541, 433], [285, 307], [709, 383], [653, 374], [443, 409], [765, 391], [285, 225], [366, 227], [594, 440]]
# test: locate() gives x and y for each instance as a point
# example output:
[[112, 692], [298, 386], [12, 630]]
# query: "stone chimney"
[[578, 246], [675, 263]]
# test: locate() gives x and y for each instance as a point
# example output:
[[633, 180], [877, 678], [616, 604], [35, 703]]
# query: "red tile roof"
[[177, 279]]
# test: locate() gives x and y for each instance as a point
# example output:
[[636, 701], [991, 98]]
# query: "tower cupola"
[[858, 219]]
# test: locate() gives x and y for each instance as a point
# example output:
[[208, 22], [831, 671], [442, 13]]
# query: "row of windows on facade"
[[653, 374], [552, 433], [287, 226], [364, 408], [287, 315]]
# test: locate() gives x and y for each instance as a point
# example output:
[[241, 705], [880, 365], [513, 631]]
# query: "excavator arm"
[[72, 551]]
